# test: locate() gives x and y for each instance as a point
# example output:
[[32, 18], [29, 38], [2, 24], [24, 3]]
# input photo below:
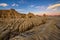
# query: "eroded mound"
[[28, 29]]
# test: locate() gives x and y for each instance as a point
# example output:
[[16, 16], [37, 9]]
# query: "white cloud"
[[41, 7], [15, 4], [22, 1], [49, 10], [32, 5], [3, 4], [21, 10], [54, 6], [37, 7]]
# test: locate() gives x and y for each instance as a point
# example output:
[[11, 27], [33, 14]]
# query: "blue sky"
[[25, 6]]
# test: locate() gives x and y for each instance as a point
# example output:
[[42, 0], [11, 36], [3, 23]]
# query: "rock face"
[[9, 14], [12, 13], [30, 15], [17, 27]]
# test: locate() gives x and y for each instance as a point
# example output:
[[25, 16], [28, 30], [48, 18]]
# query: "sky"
[[34, 6]]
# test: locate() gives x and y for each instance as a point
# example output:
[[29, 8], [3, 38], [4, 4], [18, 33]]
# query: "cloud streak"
[[3, 4], [22, 1], [32, 6], [54, 6], [40, 7], [15, 4]]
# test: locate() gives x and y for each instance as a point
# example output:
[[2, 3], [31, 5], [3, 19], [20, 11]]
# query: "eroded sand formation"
[[29, 27]]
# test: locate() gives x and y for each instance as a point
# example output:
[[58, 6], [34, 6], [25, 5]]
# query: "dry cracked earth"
[[36, 28]]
